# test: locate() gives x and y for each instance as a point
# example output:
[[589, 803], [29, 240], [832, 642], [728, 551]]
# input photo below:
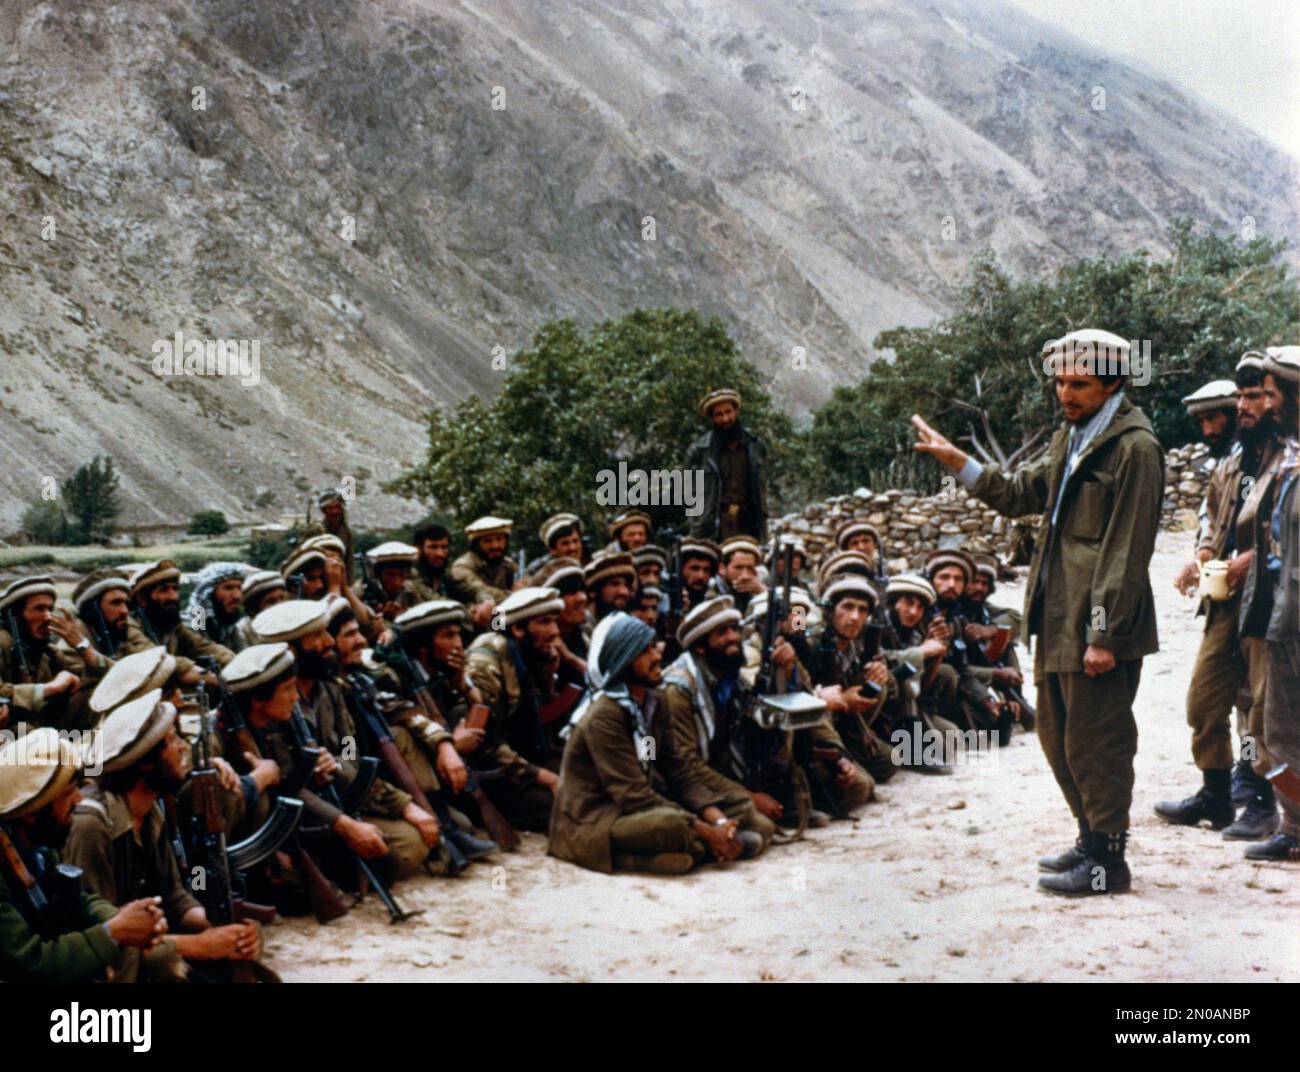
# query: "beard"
[[1253, 438], [164, 618], [723, 662], [730, 435], [315, 666]]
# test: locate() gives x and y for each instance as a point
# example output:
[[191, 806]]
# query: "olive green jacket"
[[471, 580], [188, 645], [1089, 582], [489, 666]]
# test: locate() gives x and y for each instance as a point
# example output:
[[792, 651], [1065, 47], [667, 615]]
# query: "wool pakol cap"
[[987, 565], [261, 583], [1217, 394], [488, 526], [740, 543], [703, 619], [561, 573], [429, 615], [555, 524], [939, 559], [291, 620], [20, 589], [330, 495], [1283, 361], [154, 573], [723, 394], [1252, 359], [1088, 341], [129, 732], [650, 553], [629, 517], [856, 528], [842, 562], [778, 552], [325, 541], [605, 566], [34, 769], [301, 560], [334, 606], [528, 603], [851, 584], [393, 553], [94, 585], [131, 677], [757, 609], [258, 665], [912, 585], [699, 547]]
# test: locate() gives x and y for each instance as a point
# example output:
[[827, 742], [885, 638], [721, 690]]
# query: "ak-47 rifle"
[[371, 594], [323, 896], [45, 904], [366, 697], [521, 564], [415, 680], [302, 734]]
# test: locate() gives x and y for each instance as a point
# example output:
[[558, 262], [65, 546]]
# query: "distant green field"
[[189, 554]]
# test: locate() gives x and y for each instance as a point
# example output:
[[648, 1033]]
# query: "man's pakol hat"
[[850, 584], [430, 615], [723, 394], [301, 559], [131, 677], [856, 528], [291, 620], [912, 585], [1283, 362], [128, 733], [563, 573], [528, 603], [953, 557], [154, 573], [488, 526], [741, 543], [607, 565], [1217, 394], [393, 553], [557, 523], [257, 665], [34, 769], [99, 583], [700, 547], [629, 517], [706, 617], [25, 587]]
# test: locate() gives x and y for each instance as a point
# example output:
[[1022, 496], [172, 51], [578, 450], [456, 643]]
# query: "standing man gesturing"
[[1088, 599]]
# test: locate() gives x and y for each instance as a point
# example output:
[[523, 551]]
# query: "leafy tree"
[[92, 504], [977, 374], [45, 522], [578, 402], [209, 523]]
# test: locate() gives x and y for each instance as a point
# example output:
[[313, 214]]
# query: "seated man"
[[698, 563], [950, 571], [738, 577], [120, 841], [390, 591], [650, 562], [430, 578], [838, 784], [625, 800], [42, 677], [334, 522], [103, 602], [64, 935], [485, 574], [703, 698], [561, 535], [262, 589], [566, 577], [986, 627], [389, 827], [156, 599], [217, 602], [514, 669], [611, 579], [628, 531], [799, 559], [865, 538]]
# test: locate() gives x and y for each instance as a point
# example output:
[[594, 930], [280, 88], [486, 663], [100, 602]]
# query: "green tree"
[[977, 374], [577, 402], [92, 504], [45, 522], [209, 523]]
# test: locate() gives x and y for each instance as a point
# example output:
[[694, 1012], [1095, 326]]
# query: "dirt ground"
[[936, 881]]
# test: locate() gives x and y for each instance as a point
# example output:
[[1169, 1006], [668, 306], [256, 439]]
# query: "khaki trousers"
[[1282, 719], [1217, 677], [1254, 743]]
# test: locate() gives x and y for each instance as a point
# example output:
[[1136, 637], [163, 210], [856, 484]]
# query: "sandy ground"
[[934, 882]]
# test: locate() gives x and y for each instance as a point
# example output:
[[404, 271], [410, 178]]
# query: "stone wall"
[[913, 526]]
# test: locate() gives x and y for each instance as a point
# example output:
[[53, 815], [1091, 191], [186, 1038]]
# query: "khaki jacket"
[[489, 666], [471, 580], [1089, 580], [188, 645], [25, 692]]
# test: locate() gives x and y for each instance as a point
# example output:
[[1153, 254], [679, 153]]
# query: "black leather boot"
[[1070, 858], [1102, 870], [1260, 819], [1212, 803], [1278, 848], [1243, 783], [471, 847]]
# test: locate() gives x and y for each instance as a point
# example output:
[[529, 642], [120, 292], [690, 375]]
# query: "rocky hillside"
[[379, 192]]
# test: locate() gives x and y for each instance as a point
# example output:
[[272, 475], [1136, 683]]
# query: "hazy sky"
[[1243, 55]]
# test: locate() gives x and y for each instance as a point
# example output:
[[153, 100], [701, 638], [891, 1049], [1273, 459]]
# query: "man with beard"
[[1220, 669], [798, 560], [629, 531], [864, 537], [949, 573], [983, 625], [514, 668], [566, 577], [156, 599], [561, 535], [103, 602], [611, 579], [733, 462], [738, 577], [1270, 609], [41, 674], [430, 578], [119, 839], [1088, 599], [395, 832], [626, 801], [261, 590], [217, 602], [485, 574], [645, 606], [650, 562], [697, 564], [73, 936], [334, 522], [703, 698], [304, 573], [839, 786]]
